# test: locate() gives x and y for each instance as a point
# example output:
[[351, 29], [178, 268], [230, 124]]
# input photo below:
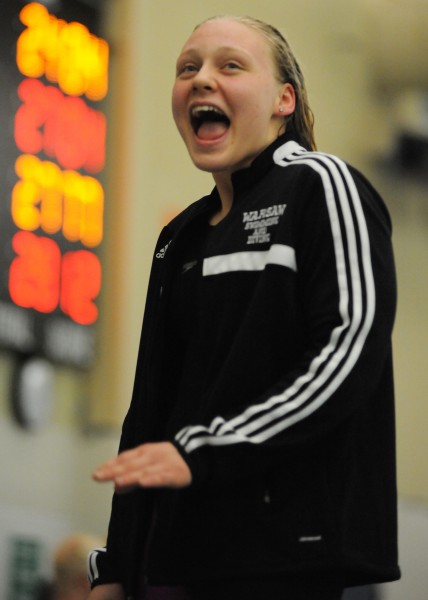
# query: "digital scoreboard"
[[54, 78]]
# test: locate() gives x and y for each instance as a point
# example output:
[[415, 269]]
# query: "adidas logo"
[[162, 251]]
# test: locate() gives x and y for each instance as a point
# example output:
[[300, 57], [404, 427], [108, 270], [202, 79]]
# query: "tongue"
[[211, 130]]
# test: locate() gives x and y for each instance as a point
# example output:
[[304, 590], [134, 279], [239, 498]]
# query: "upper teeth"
[[196, 110]]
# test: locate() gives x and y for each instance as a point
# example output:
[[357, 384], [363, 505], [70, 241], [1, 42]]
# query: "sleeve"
[[99, 570], [344, 285], [131, 513], [118, 561]]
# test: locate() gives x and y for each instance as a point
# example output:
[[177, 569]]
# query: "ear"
[[286, 100]]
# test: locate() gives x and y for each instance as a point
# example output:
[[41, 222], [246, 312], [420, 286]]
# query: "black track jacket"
[[292, 446]]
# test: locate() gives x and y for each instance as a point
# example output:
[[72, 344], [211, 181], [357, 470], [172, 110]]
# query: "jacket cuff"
[[196, 464], [101, 568]]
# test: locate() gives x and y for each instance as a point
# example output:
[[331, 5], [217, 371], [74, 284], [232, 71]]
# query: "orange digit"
[[80, 285], [34, 273]]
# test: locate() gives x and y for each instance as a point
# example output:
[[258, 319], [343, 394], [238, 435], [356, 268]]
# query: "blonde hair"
[[70, 561], [288, 71]]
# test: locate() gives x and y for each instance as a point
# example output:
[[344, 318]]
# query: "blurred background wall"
[[367, 75]]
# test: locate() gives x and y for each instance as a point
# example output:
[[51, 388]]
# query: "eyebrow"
[[193, 51]]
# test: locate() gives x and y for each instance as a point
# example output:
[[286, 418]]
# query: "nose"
[[204, 79]]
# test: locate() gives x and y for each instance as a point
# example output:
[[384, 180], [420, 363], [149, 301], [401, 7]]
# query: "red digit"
[[39, 104]]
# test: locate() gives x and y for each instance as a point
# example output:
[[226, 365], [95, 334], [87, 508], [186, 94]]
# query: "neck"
[[224, 187]]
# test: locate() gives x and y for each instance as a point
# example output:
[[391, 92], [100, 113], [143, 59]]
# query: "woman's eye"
[[232, 65], [183, 70]]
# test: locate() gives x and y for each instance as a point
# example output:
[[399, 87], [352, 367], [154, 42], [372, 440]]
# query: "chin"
[[210, 164]]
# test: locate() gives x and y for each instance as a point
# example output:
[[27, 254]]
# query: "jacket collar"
[[243, 179], [246, 178]]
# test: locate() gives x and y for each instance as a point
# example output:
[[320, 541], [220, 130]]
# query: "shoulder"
[[315, 164], [317, 180], [310, 163], [315, 168]]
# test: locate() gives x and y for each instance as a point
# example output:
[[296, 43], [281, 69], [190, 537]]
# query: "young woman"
[[257, 456]]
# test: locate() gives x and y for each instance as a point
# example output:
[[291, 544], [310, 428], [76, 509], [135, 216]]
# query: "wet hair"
[[301, 121]]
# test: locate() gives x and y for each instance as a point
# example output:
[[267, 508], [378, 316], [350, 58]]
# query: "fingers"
[[114, 468], [109, 591], [123, 471], [148, 465]]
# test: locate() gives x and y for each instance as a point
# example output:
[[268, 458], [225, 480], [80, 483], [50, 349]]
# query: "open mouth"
[[209, 122]]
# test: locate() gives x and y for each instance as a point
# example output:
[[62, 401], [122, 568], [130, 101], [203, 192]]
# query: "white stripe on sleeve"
[[93, 573]]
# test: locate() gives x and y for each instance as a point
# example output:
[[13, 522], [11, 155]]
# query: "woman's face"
[[226, 98]]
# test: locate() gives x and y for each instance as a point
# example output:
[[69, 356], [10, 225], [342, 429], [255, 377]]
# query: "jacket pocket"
[[300, 514]]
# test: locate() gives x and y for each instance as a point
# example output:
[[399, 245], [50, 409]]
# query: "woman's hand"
[[111, 591], [149, 465]]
